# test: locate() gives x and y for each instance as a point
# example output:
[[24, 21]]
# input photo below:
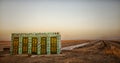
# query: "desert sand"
[[101, 51]]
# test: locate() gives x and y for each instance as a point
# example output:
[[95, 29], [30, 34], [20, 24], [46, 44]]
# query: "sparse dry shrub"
[[113, 51], [108, 51], [116, 52]]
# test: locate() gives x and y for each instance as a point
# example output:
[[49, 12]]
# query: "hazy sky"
[[74, 19]]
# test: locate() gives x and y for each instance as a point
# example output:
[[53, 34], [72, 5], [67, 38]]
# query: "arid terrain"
[[97, 51]]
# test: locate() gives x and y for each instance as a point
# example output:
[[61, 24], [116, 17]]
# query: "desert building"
[[35, 43]]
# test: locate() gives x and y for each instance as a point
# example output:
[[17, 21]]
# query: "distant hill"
[[5, 42]]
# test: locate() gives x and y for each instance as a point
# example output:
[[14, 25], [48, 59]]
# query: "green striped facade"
[[35, 43]]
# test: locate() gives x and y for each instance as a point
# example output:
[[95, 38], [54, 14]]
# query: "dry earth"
[[102, 51]]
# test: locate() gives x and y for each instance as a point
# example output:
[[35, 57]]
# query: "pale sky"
[[74, 19]]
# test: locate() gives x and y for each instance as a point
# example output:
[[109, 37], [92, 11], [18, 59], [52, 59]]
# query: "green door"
[[15, 45], [53, 43], [25, 45], [34, 45], [43, 45]]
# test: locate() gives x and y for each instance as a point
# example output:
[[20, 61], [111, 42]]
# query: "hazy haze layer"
[[77, 19]]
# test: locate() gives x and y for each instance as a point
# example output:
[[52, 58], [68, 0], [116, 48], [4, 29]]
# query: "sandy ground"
[[102, 51]]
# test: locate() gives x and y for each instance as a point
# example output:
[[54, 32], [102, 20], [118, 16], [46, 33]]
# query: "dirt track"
[[102, 51]]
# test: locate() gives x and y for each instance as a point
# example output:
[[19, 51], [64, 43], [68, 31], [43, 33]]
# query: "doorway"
[[25, 45], [34, 45], [15, 45], [53, 43], [43, 45]]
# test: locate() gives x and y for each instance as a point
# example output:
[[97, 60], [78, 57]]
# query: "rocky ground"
[[102, 51]]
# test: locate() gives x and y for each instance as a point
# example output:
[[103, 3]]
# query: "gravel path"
[[78, 45], [74, 46]]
